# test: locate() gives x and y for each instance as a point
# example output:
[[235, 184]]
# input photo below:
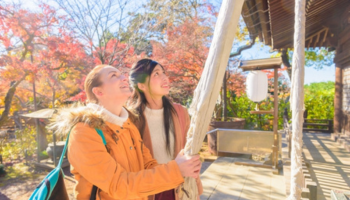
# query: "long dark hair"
[[138, 74]]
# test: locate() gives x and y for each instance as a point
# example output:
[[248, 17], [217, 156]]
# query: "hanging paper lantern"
[[257, 85]]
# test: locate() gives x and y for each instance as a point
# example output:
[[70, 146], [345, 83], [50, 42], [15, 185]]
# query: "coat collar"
[[110, 117], [92, 116]]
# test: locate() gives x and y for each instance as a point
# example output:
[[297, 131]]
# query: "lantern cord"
[[242, 48]]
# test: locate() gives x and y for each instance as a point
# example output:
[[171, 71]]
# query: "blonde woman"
[[124, 168]]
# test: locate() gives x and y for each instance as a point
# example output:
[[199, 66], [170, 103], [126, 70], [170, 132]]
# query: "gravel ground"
[[20, 188]]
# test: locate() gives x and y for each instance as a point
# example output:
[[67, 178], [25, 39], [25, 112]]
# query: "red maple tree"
[[183, 54], [121, 60], [236, 82], [39, 57]]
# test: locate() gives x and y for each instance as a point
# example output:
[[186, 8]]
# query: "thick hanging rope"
[[208, 88], [297, 101]]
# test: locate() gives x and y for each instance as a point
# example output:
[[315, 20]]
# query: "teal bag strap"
[[99, 131], [65, 146], [63, 152], [95, 188]]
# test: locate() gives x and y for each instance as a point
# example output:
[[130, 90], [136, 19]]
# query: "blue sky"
[[258, 51], [313, 75]]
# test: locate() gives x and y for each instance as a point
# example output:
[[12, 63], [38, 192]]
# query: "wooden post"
[[313, 190], [224, 98], [275, 119], [305, 116], [330, 126], [305, 193], [36, 125], [338, 100]]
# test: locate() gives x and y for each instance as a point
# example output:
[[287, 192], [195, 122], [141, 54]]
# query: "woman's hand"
[[189, 165]]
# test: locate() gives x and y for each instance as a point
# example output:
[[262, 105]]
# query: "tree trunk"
[[219, 113], [53, 97], [285, 60], [17, 119], [289, 72], [231, 106], [53, 93], [297, 101], [8, 100]]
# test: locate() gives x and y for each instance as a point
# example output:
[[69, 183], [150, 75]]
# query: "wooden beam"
[[262, 112], [261, 62], [310, 41], [250, 68], [321, 120], [316, 130], [325, 35], [314, 124], [249, 18], [317, 40], [264, 25], [253, 165]]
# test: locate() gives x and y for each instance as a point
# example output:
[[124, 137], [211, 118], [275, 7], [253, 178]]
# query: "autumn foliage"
[[38, 49], [116, 53], [183, 55]]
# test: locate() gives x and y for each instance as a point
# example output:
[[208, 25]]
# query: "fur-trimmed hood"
[[92, 114]]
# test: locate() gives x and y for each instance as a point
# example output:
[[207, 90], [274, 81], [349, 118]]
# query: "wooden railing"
[[309, 186], [309, 190], [322, 125]]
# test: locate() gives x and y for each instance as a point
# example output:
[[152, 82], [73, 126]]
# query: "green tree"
[[319, 100]]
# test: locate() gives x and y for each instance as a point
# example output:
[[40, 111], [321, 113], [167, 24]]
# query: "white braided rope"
[[208, 88], [297, 101]]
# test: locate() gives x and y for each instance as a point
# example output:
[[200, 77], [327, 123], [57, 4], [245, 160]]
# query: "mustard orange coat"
[[126, 171]]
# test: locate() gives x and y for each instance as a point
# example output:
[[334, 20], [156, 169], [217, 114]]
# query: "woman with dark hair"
[[163, 125], [123, 168]]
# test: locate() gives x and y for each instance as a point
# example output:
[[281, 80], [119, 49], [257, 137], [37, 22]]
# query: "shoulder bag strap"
[[94, 188]]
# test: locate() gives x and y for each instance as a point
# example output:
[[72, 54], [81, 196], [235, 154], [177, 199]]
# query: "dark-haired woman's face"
[[114, 85], [158, 83]]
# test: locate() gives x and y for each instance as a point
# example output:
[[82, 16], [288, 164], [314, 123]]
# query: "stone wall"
[[346, 90], [345, 126]]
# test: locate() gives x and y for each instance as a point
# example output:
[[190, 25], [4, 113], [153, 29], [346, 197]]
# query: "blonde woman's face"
[[114, 85]]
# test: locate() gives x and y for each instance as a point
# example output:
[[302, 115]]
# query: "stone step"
[[342, 140], [226, 180], [334, 136], [347, 146]]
